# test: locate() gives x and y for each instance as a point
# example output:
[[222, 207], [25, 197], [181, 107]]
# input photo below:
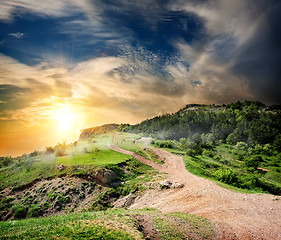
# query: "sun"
[[65, 118]]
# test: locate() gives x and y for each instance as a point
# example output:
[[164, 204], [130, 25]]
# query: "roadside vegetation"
[[238, 144]]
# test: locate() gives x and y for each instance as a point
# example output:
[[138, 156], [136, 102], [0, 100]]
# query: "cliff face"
[[91, 132]]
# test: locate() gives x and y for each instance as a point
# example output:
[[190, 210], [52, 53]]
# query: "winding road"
[[235, 215]]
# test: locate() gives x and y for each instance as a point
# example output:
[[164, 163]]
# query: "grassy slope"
[[88, 155], [127, 141], [110, 224], [113, 224], [205, 166]]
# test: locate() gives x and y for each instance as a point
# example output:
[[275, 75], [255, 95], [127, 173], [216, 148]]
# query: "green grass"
[[88, 155], [95, 225], [110, 224], [127, 141], [27, 170], [99, 158], [153, 157], [224, 158]]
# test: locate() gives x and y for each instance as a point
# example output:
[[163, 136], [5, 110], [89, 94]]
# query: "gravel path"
[[236, 215]]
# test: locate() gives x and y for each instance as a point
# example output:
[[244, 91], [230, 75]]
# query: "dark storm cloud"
[[259, 60]]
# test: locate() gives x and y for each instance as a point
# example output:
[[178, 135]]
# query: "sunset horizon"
[[70, 65]]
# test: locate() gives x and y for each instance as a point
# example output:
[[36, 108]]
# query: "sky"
[[71, 64]]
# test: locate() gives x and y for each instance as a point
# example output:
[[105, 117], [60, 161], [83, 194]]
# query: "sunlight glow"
[[65, 118]]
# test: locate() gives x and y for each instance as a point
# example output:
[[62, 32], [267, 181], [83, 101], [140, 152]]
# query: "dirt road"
[[236, 215]]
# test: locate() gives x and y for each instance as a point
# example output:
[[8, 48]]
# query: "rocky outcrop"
[[126, 201], [92, 132], [105, 176]]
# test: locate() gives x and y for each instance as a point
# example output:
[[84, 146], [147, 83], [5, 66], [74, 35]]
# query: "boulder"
[[105, 176]]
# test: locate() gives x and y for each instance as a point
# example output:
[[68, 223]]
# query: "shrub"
[[226, 175], [194, 149], [253, 161], [191, 152], [208, 153], [277, 143], [241, 145], [61, 149], [104, 199], [240, 157], [6, 203], [165, 144], [5, 161], [34, 153], [217, 157], [35, 211], [49, 150], [19, 211]]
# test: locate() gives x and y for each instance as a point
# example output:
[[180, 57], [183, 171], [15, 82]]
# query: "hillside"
[[250, 122], [88, 177], [238, 144], [92, 132], [153, 166]]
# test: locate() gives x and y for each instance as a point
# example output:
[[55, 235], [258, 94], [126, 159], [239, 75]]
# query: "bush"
[[191, 152], [226, 175], [165, 144], [194, 149], [5, 161], [35, 211], [208, 153], [250, 181], [34, 153], [6, 203], [104, 199], [240, 156], [19, 211], [241, 145], [49, 150], [277, 143], [253, 161]]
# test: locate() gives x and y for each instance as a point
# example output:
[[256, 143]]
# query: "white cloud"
[[17, 35], [11, 8]]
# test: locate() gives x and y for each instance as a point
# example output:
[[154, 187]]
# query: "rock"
[[105, 176], [177, 185], [165, 184], [125, 201]]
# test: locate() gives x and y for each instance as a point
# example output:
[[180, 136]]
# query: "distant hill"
[[92, 132], [247, 121]]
